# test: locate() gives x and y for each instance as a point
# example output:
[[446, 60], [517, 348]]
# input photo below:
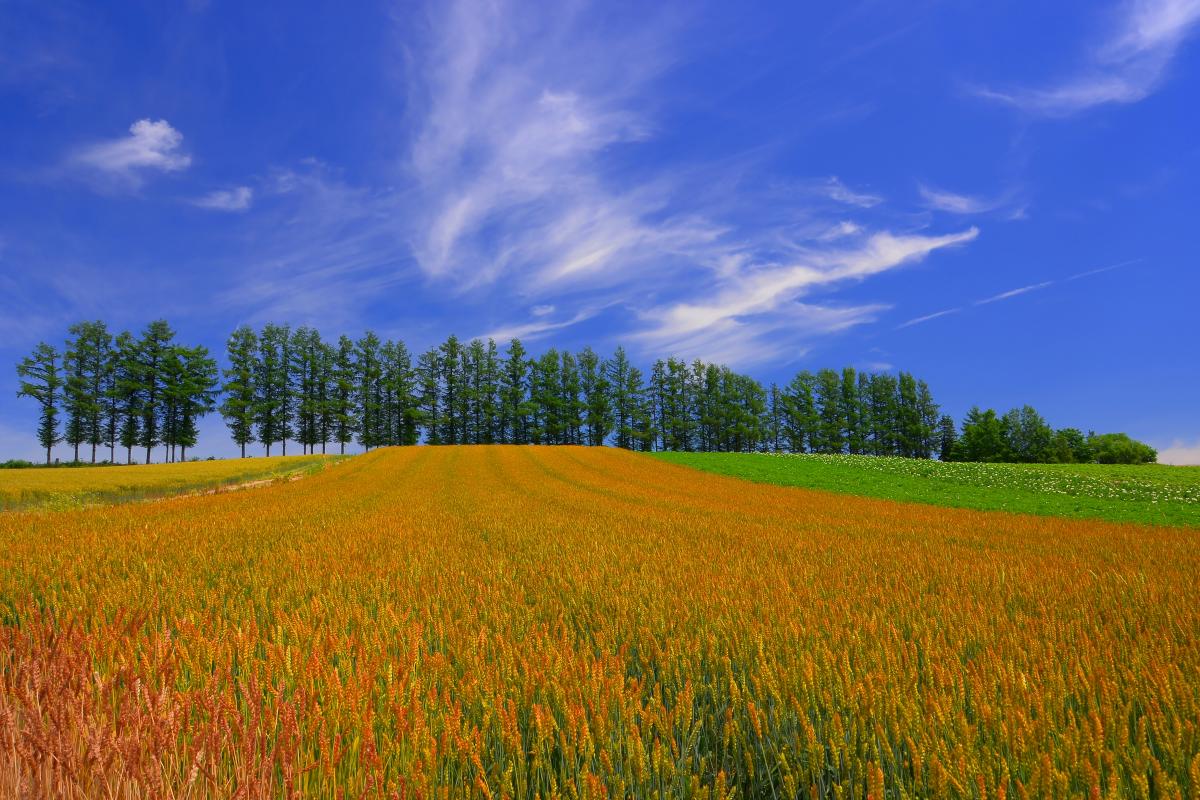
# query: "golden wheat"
[[557, 622]]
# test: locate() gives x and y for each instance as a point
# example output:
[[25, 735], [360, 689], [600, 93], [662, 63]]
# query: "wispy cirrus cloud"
[[955, 203], [521, 186], [836, 190], [237, 198], [763, 299], [151, 146], [1126, 67]]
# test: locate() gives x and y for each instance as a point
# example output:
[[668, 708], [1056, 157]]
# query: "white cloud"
[[928, 317], [150, 146], [767, 295], [1033, 287], [1180, 453], [541, 311], [839, 231], [1128, 66], [236, 199], [836, 190], [538, 328], [953, 203]]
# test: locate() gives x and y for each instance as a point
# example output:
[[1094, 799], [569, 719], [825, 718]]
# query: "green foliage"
[[1153, 493], [1117, 448]]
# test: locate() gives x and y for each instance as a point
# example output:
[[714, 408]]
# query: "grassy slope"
[[59, 489], [1155, 494]]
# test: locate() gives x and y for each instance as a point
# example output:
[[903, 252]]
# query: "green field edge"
[[924, 491], [36, 500]]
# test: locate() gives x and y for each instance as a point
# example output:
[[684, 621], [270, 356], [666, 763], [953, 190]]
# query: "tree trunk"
[[77, 452], [243, 449], [285, 447], [322, 448], [268, 449], [147, 454], [93, 452], [183, 453], [47, 456]]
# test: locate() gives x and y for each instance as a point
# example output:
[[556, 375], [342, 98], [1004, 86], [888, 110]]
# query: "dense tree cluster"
[[125, 391], [284, 384], [1023, 436]]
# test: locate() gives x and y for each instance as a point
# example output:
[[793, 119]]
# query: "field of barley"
[[523, 622]]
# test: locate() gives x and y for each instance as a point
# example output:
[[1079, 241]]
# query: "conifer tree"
[[514, 383], [240, 389], [40, 380], [153, 350], [343, 383]]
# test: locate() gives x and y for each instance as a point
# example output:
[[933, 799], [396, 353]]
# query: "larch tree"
[[240, 390], [40, 379]]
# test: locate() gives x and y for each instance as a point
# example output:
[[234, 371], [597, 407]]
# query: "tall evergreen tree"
[[947, 438], [429, 381], [514, 383], [626, 386], [40, 380], [368, 397], [343, 386], [831, 436], [801, 424], [852, 413], [153, 350], [190, 392], [597, 405], [240, 389], [128, 392], [87, 363]]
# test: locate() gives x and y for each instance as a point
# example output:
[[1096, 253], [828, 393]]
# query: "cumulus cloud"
[[237, 198], [1180, 453], [1126, 67], [151, 146]]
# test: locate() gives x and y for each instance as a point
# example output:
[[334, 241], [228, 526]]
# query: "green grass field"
[[60, 489], [1155, 494]]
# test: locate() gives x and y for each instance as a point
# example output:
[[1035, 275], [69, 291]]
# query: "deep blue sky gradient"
[[781, 187]]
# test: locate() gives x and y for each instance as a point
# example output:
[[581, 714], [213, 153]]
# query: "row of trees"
[[290, 384], [284, 384], [1022, 435], [122, 391]]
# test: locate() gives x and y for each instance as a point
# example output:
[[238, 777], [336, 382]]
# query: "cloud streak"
[[1125, 68], [1011, 293]]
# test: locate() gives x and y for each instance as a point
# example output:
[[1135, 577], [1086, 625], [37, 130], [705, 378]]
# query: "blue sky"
[[998, 197]]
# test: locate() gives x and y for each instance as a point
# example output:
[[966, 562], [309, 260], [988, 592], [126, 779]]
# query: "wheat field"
[[521, 622], [71, 487]]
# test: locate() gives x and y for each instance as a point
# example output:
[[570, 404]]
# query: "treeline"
[[1022, 435], [284, 384]]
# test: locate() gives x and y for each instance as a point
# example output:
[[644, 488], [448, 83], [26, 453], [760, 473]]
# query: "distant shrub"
[[1118, 448]]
